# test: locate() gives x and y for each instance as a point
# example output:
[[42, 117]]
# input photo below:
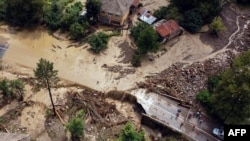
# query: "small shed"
[[146, 16], [167, 29]]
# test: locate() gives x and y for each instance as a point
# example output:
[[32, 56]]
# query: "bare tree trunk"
[[50, 95]]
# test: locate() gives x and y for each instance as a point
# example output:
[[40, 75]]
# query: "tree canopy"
[[243, 1], [93, 9], [191, 21], [216, 26], [77, 31], [130, 134], [230, 99], [98, 41], [2, 10], [53, 16], [12, 88], [204, 11], [147, 41], [24, 12], [71, 15], [145, 37], [170, 12], [76, 125], [46, 76]]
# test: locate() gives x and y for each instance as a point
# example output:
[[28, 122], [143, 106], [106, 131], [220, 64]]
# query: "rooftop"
[[117, 7], [146, 16], [165, 28]]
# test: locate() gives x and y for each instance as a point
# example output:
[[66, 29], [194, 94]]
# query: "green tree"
[[173, 13], [53, 16], [243, 1], [185, 5], [213, 82], [93, 9], [130, 134], [71, 15], [147, 41], [216, 26], [77, 31], [161, 12], [204, 97], [98, 41], [2, 10], [191, 21], [136, 30], [4, 87], [170, 12], [136, 60], [206, 9], [231, 99], [46, 76], [12, 88], [17, 88], [24, 12], [76, 126]]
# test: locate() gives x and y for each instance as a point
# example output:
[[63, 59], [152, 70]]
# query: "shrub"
[[213, 82], [77, 31], [204, 97], [216, 26], [98, 41], [76, 125], [136, 60], [130, 134]]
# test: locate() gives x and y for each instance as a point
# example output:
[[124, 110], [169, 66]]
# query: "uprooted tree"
[[46, 76]]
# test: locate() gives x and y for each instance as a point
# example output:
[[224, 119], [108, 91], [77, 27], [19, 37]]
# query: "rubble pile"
[[184, 82], [243, 42], [97, 109], [122, 72]]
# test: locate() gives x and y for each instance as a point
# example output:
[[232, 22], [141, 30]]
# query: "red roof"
[[136, 2], [167, 28]]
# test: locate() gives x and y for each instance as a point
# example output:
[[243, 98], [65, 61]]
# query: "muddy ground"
[[180, 69]]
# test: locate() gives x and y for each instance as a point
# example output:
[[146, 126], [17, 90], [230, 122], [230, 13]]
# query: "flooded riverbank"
[[80, 65]]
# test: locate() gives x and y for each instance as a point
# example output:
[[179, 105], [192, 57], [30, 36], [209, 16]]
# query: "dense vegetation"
[[2, 10], [76, 126], [130, 134], [24, 13], [170, 12], [12, 88], [192, 14], [62, 14], [216, 26], [98, 41], [146, 40], [93, 9], [228, 95], [243, 1]]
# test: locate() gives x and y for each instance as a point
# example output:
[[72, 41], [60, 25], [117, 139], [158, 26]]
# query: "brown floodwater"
[[81, 66]]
